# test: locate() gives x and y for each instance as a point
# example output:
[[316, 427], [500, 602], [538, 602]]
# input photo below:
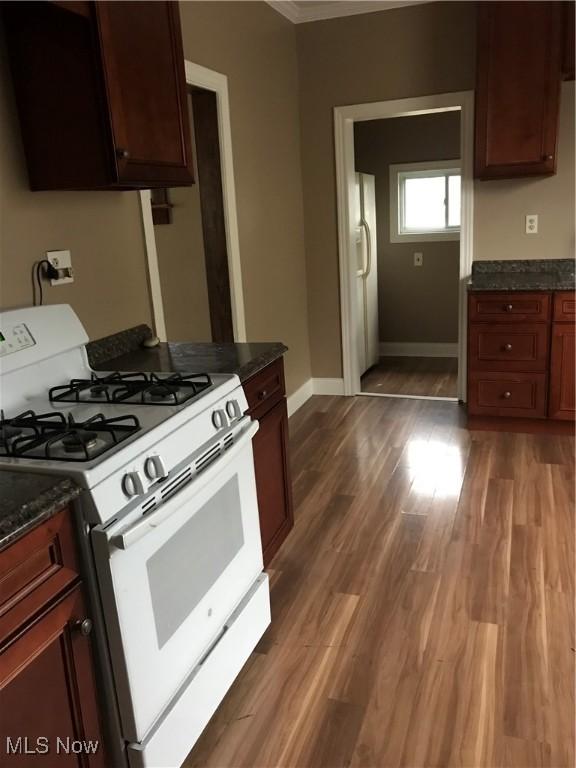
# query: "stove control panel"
[[14, 338]]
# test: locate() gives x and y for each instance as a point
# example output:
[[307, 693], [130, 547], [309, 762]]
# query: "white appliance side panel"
[[371, 289], [174, 736]]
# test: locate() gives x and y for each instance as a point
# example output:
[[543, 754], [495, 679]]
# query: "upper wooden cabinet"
[[568, 47], [101, 94], [519, 71]]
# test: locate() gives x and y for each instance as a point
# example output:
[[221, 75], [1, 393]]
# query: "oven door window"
[[195, 556], [168, 593]]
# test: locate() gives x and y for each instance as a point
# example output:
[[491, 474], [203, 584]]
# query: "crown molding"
[[303, 12], [287, 8]]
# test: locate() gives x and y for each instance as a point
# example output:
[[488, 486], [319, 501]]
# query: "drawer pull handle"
[[507, 347], [507, 395], [263, 394], [508, 307]]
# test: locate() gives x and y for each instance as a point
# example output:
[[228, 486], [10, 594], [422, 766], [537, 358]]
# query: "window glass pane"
[[454, 201], [424, 203]]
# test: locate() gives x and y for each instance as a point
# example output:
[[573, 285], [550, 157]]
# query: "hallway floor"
[[423, 606], [432, 376]]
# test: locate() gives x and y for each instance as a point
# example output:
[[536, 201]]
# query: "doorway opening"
[[404, 175], [191, 233]]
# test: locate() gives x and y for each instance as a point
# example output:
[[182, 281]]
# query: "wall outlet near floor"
[[531, 223], [62, 261], [418, 259]]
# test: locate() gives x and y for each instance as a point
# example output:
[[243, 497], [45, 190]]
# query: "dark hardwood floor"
[[423, 606], [432, 376]]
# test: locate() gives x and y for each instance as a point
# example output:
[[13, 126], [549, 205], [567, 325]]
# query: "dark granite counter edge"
[[475, 286], [32, 513], [117, 344], [245, 359], [523, 275], [524, 266]]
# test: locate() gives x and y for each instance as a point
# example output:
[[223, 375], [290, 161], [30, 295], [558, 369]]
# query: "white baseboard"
[[314, 387], [328, 386], [417, 349], [297, 399]]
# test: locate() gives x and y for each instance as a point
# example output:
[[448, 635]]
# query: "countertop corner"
[[28, 499]]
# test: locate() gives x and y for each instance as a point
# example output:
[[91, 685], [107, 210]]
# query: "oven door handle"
[[139, 529]]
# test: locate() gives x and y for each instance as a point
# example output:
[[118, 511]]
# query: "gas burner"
[[134, 388], [162, 391], [77, 442], [52, 436]]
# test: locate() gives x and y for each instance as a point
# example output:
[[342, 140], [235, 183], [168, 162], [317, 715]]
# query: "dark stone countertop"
[[27, 499], [244, 359], [523, 275]]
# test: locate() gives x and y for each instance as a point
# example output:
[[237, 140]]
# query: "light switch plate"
[[532, 224], [61, 260]]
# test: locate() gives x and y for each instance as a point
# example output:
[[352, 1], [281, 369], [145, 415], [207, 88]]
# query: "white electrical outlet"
[[532, 224], [62, 261], [418, 259]]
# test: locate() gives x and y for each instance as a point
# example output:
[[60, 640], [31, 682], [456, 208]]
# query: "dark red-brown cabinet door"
[[143, 62], [562, 402], [47, 691], [518, 88], [272, 479]]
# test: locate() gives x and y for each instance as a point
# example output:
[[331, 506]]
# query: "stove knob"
[[233, 409], [132, 484], [154, 468], [219, 419]]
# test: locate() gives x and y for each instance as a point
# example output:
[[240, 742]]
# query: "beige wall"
[[181, 264], [405, 52], [415, 304], [256, 47], [500, 207], [102, 229], [183, 269]]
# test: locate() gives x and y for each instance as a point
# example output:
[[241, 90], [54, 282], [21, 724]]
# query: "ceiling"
[[302, 11]]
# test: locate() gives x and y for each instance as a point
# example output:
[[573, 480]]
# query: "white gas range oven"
[[167, 521]]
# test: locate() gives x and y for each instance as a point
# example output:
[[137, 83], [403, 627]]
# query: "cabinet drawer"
[[266, 388], [565, 306], [509, 307], [35, 569], [507, 394], [501, 347]]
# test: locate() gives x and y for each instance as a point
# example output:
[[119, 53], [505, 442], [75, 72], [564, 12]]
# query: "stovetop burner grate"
[[134, 388], [57, 438]]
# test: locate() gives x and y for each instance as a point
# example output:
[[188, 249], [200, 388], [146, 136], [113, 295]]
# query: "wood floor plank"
[[422, 607], [431, 376]]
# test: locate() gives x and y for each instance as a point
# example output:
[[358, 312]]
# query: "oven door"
[[169, 581]]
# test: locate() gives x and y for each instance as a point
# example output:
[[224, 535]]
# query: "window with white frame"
[[425, 201]]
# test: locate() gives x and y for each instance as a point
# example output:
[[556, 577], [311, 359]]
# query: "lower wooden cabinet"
[[521, 356], [562, 402], [265, 393], [48, 700]]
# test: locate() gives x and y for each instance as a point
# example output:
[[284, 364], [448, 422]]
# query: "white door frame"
[[344, 119], [218, 83]]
